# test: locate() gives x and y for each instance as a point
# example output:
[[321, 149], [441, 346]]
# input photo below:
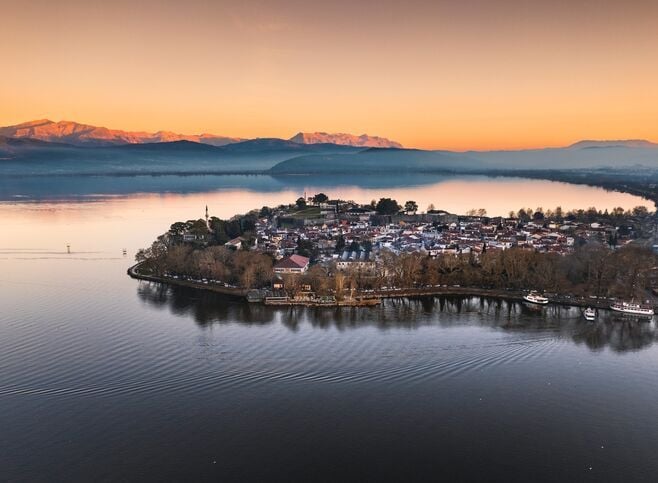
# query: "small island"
[[319, 251]]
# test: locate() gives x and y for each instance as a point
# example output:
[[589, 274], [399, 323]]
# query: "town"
[[323, 251]]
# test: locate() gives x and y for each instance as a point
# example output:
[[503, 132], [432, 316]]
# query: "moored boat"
[[535, 297], [632, 308], [589, 314]]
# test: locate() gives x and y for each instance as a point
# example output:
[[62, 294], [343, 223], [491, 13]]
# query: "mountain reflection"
[[618, 333]]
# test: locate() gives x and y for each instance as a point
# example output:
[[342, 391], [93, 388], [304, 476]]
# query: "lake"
[[106, 378]]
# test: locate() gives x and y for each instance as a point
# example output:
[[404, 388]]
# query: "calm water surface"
[[106, 378]]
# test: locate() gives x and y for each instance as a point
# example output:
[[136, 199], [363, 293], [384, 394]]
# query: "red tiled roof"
[[293, 261]]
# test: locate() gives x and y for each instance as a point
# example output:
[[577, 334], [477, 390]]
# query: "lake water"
[[106, 378]]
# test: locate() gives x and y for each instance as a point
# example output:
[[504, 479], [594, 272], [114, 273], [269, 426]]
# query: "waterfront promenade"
[[370, 298]]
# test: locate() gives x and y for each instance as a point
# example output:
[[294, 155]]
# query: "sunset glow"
[[454, 75]]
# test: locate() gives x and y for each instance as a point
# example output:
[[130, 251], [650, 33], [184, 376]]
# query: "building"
[[235, 244], [292, 264], [355, 259]]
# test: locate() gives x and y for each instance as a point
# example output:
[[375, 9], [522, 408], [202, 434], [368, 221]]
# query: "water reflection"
[[610, 331], [619, 334]]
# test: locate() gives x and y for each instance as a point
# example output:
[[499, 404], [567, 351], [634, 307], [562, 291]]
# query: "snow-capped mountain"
[[363, 140], [86, 135]]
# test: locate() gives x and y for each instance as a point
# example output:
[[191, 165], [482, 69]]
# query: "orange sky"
[[434, 74]]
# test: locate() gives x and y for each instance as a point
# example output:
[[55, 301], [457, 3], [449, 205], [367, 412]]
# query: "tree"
[[387, 206], [301, 203], [411, 207], [340, 244], [320, 198], [177, 228], [155, 257], [618, 212], [339, 285], [306, 248], [197, 227], [178, 259]]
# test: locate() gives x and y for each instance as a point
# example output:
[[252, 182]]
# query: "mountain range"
[[87, 135], [47, 148]]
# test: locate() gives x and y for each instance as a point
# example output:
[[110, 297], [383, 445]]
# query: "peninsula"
[[322, 251]]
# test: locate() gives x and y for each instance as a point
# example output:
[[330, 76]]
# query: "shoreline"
[[234, 292], [369, 299]]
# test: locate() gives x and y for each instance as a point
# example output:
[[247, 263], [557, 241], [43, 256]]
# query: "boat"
[[632, 308], [589, 314], [535, 298]]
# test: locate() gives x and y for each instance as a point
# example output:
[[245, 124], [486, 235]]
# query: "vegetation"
[[592, 269], [238, 268], [320, 198], [387, 206], [411, 207]]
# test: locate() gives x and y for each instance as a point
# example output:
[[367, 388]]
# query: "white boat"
[[632, 308], [535, 298], [589, 314]]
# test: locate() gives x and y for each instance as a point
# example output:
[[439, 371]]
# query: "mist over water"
[[106, 378], [454, 193]]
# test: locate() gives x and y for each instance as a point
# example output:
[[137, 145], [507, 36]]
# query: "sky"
[[468, 74]]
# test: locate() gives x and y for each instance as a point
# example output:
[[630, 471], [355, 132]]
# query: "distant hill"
[[8, 144], [625, 143], [275, 145], [86, 135], [35, 157], [363, 140], [376, 161], [577, 156]]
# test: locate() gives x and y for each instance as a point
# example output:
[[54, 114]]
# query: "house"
[[234, 244], [292, 264], [189, 237], [277, 283]]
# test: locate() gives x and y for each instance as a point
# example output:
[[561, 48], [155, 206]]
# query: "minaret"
[[207, 223]]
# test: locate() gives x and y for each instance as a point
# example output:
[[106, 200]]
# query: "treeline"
[[238, 268], [588, 215], [591, 270]]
